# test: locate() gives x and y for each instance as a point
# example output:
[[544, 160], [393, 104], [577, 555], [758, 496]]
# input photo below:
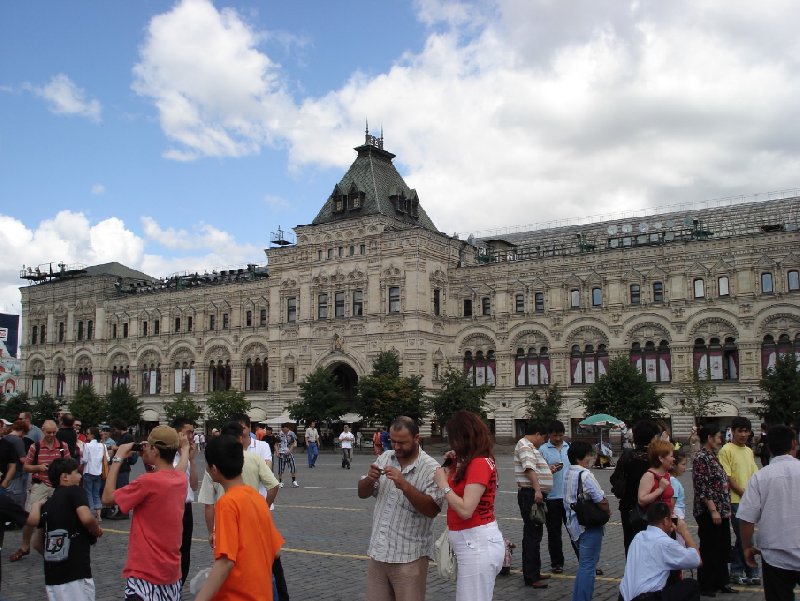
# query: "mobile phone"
[[559, 466], [137, 447]]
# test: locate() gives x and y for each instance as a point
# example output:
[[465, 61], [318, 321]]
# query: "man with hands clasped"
[[401, 543]]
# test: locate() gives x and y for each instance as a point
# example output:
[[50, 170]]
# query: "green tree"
[[544, 407], [385, 394], [321, 398], [183, 405], [457, 392], [16, 404], [624, 393], [45, 407], [699, 393], [223, 404], [122, 404], [88, 406], [782, 387]]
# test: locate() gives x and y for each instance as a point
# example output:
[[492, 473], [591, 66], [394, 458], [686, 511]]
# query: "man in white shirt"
[[652, 555], [770, 501], [346, 439]]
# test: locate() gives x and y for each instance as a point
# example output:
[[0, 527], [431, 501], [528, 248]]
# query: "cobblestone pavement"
[[327, 529]]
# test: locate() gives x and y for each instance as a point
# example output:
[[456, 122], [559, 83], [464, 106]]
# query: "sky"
[[177, 135]]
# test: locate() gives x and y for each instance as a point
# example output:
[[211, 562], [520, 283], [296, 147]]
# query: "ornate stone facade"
[[373, 273]]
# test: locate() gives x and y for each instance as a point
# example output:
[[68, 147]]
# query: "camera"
[[137, 447]]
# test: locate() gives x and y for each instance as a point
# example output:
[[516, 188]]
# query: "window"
[[486, 305], [574, 299], [394, 299], [37, 385], [43, 334], [156, 327], [658, 292], [114, 331], [34, 334], [358, 303], [770, 351], [362, 249], [219, 375], [716, 361], [480, 370], [519, 303], [319, 255], [597, 297], [151, 379], [437, 301], [793, 281], [330, 253], [467, 307], [124, 330], [61, 331], [144, 328], [723, 283], [120, 376], [322, 306], [587, 365], [256, 375], [636, 294], [339, 304], [435, 375], [290, 375], [262, 317], [291, 310], [80, 330], [185, 377], [84, 376], [532, 367], [654, 363], [699, 288], [226, 322], [341, 251], [61, 383], [189, 324], [177, 324], [538, 300], [352, 250], [248, 319], [212, 322], [767, 286]]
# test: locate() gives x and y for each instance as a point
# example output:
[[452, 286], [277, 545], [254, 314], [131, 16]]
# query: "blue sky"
[[174, 135]]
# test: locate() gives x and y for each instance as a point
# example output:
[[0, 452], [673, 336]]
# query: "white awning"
[[256, 414], [280, 419], [149, 415]]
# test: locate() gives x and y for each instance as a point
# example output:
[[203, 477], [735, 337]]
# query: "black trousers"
[[778, 583], [280, 580], [683, 590], [715, 546], [186, 541], [556, 518], [531, 537], [628, 531]]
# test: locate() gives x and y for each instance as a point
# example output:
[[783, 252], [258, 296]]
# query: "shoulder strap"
[[36, 447], [579, 492]]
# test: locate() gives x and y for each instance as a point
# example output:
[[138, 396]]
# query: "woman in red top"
[[655, 485], [469, 485]]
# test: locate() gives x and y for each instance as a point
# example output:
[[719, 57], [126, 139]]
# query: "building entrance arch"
[[346, 378]]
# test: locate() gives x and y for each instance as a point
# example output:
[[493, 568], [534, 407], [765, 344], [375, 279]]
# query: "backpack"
[[38, 445], [619, 479]]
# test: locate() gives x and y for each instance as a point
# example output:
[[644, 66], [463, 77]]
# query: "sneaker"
[[280, 484], [295, 484], [739, 579], [755, 580], [558, 569]]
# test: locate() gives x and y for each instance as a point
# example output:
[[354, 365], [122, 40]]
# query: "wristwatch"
[[116, 460], [446, 490]]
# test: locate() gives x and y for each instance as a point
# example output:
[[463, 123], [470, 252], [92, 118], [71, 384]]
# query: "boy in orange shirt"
[[246, 539]]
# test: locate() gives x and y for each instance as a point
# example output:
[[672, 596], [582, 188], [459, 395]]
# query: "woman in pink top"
[[469, 481], [655, 484]]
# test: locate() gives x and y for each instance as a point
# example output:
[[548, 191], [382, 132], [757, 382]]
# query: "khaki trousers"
[[397, 581]]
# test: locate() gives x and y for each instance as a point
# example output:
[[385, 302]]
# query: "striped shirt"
[[46, 456], [528, 457], [400, 533]]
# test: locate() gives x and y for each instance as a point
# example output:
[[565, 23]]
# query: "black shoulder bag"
[[588, 512]]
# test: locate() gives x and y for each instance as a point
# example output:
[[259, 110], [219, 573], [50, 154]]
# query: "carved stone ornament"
[[338, 342]]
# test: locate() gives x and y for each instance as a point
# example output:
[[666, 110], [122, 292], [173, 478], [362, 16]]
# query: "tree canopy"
[[183, 405], [457, 392], [385, 394], [13, 405], [122, 404], [45, 406], [624, 393], [781, 384], [544, 407], [88, 406], [698, 391], [224, 404], [321, 398]]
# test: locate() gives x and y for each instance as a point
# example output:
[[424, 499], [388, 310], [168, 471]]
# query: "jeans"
[[346, 458], [313, 453], [531, 537], [589, 545], [93, 485], [738, 565], [480, 552]]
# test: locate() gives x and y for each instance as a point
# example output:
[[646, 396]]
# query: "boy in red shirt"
[[246, 539]]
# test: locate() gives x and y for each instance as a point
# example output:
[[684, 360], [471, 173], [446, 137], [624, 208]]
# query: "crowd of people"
[[69, 480]]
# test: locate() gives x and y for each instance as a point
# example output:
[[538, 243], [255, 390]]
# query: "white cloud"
[[98, 189], [66, 98], [543, 109]]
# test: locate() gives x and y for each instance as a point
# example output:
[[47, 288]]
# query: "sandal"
[[19, 554]]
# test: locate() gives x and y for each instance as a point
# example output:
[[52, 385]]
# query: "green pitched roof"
[[379, 185]]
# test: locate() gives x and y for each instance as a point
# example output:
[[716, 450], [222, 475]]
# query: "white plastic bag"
[[445, 558]]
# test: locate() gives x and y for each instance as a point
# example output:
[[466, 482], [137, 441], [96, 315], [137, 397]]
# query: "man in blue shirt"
[[554, 452]]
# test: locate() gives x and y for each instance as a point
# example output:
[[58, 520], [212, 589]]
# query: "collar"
[[782, 458], [409, 467]]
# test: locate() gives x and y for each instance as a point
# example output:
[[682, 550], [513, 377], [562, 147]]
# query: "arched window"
[[699, 286], [255, 375], [480, 370], [84, 376], [716, 361], [587, 365], [770, 350], [767, 286], [219, 375], [185, 377], [151, 379], [120, 376], [61, 383], [532, 368], [654, 363]]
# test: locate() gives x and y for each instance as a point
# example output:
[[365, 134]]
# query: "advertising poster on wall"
[[9, 363]]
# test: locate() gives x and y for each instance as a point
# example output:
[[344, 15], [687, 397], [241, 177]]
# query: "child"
[[68, 529], [679, 506], [245, 538]]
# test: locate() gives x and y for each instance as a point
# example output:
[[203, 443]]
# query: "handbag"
[[104, 471], [638, 517], [538, 513], [445, 557], [587, 511]]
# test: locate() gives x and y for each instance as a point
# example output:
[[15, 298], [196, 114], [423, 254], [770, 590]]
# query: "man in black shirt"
[[66, 433]]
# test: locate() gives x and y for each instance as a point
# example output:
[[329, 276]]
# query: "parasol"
[[600, 421]]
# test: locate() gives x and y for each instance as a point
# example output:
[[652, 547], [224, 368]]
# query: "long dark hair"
[[469, 438]]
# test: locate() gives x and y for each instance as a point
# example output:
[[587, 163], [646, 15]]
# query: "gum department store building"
[[711, 288]]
